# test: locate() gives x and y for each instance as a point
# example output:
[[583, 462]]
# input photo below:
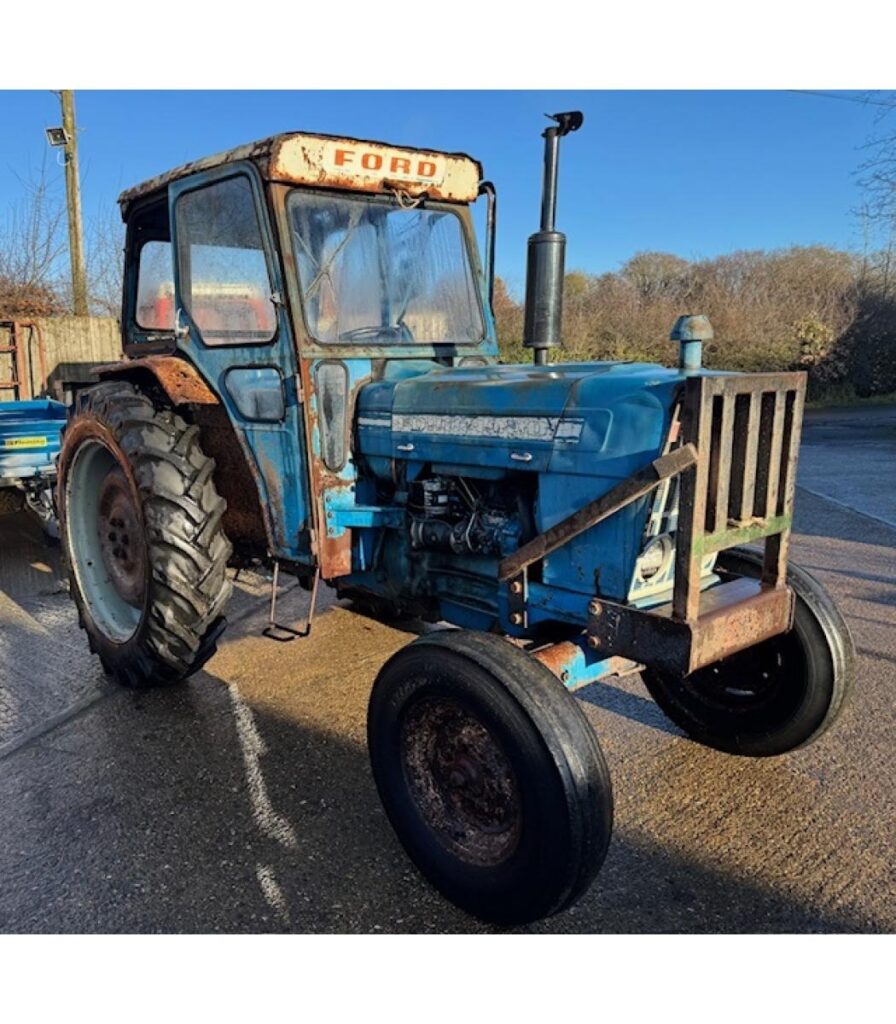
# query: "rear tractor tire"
[[141, 532], [775, 697], [490, 775]]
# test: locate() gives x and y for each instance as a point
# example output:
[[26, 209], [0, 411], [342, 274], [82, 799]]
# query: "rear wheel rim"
[[118, 527], [461, 781], [105, 540]]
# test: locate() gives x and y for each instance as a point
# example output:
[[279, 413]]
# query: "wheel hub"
[[121, 538], [461, 781]]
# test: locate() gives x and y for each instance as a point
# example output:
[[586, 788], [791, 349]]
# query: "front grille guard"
[[746, 431], [735, 462]]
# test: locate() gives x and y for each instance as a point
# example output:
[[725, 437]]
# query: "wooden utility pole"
[[73, 194]]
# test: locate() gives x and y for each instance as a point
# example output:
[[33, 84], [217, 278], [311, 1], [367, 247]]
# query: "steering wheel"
[[398, 332]]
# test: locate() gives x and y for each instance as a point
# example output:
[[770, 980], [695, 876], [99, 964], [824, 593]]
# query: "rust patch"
[[557, 657], [180, 380], [334, 554], [307, 158], [362, 166], [732, 617], [461, 781], [257, 152], [560, 659]]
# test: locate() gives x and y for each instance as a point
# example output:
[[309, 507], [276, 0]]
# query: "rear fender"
[[180, 381], [246, 522]]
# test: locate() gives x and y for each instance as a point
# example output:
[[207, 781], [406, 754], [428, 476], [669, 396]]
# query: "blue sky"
[[695, 173]]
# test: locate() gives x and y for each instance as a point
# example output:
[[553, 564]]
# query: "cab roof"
[[332, 161]]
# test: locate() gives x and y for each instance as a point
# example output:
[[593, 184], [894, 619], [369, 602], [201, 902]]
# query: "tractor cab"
[[273, 281]]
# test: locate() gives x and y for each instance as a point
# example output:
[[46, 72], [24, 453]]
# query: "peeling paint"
[[517, 428], [310, 159]]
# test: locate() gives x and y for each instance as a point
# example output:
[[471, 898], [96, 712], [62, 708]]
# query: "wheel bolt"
[[593, 642], [594, 608]]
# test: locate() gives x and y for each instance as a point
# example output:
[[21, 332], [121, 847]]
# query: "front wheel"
[[781, 694], [490, 774]]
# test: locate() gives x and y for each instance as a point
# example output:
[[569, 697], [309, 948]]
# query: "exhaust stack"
[[547, 250]]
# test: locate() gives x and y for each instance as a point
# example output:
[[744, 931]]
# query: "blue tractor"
[[312, 380]]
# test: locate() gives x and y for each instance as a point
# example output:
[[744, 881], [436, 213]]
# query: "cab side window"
[[155, 287], [224, 279]]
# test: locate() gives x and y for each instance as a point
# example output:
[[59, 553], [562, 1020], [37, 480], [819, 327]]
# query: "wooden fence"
[[73, 346]]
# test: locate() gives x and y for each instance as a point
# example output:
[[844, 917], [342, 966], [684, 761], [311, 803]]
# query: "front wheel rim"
[[461, 781]]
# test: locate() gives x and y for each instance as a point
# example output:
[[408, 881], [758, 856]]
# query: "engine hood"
[[563, 417]]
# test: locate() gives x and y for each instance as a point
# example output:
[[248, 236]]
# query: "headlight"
[[654, 558]]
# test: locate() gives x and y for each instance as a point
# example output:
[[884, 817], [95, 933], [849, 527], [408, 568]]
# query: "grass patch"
[[849, 401]]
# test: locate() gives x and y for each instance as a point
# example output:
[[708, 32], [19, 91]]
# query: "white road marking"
[[272, 892], [269, 821]]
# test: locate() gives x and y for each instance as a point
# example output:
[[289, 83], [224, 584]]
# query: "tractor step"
[[275, 630]]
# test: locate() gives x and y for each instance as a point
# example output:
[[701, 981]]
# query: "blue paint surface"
[[275, 449], [618, 413], [40, 419]]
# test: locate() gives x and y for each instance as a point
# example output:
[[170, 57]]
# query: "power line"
[[842, 96]]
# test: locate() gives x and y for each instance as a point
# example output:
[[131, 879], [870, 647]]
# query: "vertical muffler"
[[547, 250]]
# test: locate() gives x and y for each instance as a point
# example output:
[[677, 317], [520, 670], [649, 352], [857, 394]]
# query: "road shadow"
[[638, 709], [29, 565], [187, 810]]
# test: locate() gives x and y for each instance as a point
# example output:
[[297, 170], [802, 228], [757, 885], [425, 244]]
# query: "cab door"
[[231, 323]]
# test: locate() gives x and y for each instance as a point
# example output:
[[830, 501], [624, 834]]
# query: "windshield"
[[372, 271]]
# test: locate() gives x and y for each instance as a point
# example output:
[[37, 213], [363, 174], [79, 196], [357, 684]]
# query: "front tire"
[[777, 696], [141, 530], [490, 775]]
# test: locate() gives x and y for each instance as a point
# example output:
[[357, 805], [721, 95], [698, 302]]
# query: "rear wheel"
[[141, 531], [776, 696], [490, 774]]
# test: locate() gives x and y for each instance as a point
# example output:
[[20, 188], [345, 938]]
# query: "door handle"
[[181, 329]]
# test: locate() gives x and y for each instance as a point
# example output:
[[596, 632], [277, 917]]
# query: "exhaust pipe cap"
[[690, 332]]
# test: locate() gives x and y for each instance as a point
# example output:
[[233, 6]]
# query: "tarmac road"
[[242, 801]]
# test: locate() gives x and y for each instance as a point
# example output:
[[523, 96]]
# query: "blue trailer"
[[30, 439]]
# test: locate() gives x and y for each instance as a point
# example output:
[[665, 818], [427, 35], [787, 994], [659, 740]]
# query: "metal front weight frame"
[[737, 462]]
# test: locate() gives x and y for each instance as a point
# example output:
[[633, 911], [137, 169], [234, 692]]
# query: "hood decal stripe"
[[516, 428]]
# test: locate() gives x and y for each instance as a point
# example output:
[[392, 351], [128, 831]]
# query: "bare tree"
[[877, 173], [32, 241], [105, 262]]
